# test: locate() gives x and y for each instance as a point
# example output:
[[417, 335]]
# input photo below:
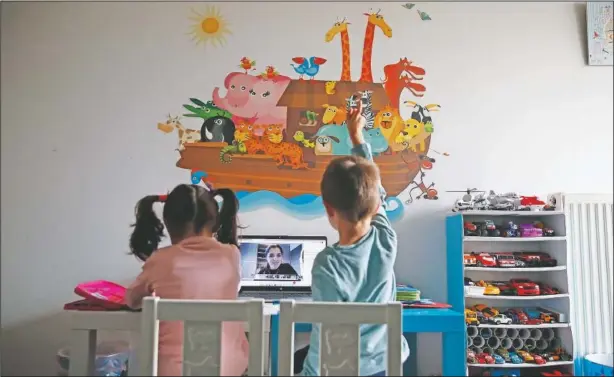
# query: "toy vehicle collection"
[[477, 200], [482, 314]]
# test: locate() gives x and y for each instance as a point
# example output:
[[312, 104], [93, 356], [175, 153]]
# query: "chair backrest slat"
[[339, 350], [202, 333], [339, 334], [201, 348]]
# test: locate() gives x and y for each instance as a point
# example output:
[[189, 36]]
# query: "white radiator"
[[590, 259]]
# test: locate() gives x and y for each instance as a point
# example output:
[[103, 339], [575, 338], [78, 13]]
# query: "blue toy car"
[[515, 358], [510, 230], [498, 359]]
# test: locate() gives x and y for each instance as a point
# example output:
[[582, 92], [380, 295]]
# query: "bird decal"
[[423, 15], [307, 66], [408, 5], [247, 64]]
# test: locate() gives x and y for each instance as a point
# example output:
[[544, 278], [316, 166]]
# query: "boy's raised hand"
[[356, 121]]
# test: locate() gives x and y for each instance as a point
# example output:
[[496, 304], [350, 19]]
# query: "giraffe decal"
[[374, 19], [341, 27]]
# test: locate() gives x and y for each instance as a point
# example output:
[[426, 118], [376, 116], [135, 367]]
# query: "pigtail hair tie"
[[162, 198]]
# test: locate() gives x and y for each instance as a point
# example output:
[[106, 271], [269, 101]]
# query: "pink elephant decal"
[[253, 98]]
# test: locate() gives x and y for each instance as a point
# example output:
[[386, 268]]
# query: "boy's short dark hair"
[[350, 185]]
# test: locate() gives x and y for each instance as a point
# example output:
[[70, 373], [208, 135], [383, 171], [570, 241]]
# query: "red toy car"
[[518, 316], [537, 259], [538, 359], [505, 289], [485, 259], [505, 260], [470, 229], [546, 289], [484, 358], [525, 287], [533, 321], [526, 201]]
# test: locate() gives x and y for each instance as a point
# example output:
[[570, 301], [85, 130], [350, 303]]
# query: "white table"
[[86, 324]]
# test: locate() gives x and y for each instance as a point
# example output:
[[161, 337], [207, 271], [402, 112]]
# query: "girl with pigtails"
[[203, 262]]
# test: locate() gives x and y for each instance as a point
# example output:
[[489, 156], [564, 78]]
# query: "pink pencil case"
[[102, 293]]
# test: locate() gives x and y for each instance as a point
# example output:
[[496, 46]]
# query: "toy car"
[[528, 230], [489, 289], [501, 319], [469, 260], [469, 282], [486, 310], [518, 316], [505, 260], [562, 354], [487, 228], [546, 289], [470, 229], [547, 232], [471, 357], [555, 373], [533, 321], [485, 260], [538, 359], [530, 259], [505, 288], [526, 356], [498, 359], [546, 260], [504, 354], [514, 358], [510, 230], [525, 287], [484, 358], [471, 318], [531, 202]]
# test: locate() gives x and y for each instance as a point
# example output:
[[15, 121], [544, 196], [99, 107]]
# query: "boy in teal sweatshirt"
[[360, 267]]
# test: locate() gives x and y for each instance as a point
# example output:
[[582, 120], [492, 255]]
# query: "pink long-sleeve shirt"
[[196, 268]]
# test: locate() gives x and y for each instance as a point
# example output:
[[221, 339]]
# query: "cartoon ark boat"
[[257, 172]]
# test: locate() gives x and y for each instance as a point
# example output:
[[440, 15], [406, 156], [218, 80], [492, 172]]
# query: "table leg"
[[454, 362], [133, 369], [82, 352], [410, 366]]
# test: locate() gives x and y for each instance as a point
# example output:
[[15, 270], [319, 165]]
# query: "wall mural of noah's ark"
[[272, 134]]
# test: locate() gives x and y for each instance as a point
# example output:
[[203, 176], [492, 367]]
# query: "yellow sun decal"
[[209, 27]]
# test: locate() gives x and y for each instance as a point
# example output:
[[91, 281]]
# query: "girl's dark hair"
[[187, 209], [274, 246]]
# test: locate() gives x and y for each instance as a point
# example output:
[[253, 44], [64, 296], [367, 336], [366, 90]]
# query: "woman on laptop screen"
[[275, 263]]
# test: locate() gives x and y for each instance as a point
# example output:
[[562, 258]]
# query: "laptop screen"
[[278, 261]]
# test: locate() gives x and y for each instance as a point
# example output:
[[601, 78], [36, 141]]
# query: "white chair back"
[[339, 334], [202, 333]]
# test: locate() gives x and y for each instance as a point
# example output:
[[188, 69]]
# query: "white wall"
[[84, 84]]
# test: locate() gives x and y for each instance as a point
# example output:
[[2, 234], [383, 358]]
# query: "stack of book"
[[407, 293]]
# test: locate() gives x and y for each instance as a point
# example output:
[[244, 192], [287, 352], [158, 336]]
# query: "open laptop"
[[278, 267]]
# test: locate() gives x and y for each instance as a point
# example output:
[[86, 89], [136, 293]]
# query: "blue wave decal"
[[306, 206]]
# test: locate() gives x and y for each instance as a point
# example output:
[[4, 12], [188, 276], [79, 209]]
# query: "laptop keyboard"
[[274, 296]]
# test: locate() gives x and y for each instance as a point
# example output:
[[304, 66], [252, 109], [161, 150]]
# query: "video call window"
[[260, 261]]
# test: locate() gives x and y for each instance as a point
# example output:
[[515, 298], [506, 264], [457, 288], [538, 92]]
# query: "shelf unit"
[[556, 247]]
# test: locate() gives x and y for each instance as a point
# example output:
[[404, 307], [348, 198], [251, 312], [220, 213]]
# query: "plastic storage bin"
[[111, 359], [598, 364]]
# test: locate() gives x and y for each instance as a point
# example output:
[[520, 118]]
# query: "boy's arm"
[[380, 220]]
